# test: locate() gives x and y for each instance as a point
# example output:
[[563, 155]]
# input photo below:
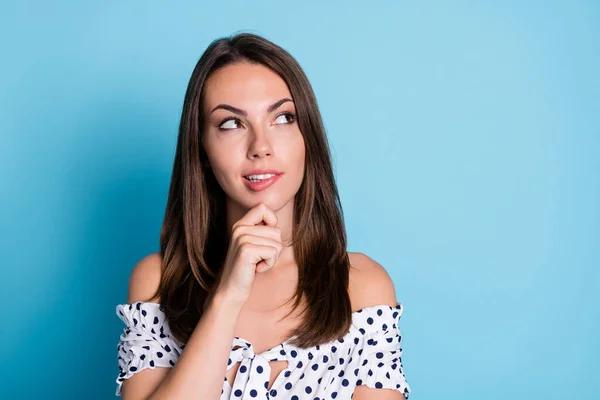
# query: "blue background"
[[466, 142]]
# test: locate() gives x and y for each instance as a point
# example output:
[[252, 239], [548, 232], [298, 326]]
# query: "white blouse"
[[369, 354]]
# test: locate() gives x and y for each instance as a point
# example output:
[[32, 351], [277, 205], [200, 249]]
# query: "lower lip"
[[262, 185]]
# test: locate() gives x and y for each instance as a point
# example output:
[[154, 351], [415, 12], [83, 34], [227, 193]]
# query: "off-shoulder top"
[[369, 354]]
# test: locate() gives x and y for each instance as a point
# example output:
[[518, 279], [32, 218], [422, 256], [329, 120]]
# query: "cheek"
[[220, 155], [296, 157], [220, 162], [301, 152]]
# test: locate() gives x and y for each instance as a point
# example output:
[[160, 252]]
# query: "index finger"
[[259, 215]]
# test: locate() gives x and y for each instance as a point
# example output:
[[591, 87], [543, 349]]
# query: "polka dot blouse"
[[369, 354]]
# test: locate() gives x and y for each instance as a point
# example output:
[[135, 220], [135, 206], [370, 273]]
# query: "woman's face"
[[248, 125]]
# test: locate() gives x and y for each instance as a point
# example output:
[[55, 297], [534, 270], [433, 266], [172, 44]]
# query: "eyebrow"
[[243, 113]]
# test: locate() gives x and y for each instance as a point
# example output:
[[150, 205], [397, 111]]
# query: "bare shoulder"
[[370, 283], [144, 279]]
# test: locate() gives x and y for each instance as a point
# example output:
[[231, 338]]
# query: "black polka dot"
[[375, 328]]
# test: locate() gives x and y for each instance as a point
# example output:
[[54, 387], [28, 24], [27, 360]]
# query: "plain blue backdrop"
[[466, 143]]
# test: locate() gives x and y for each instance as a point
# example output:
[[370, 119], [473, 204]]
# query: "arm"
[[200, 369], [367, 393], [370, 284]]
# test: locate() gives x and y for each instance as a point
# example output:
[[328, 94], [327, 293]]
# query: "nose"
[[259, 145]]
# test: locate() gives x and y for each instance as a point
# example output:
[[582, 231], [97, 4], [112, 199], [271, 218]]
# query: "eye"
[[290, 115], [228, 119]]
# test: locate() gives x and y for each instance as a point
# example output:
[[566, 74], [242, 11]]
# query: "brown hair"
[[193, 240]]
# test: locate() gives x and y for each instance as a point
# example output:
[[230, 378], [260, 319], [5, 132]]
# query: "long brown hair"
[[193, 240]]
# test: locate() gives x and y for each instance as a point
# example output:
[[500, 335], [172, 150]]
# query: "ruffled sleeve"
[[380, 364], [145, 342]]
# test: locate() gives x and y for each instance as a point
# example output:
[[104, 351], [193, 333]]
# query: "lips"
[[262, 172], [263, 184]]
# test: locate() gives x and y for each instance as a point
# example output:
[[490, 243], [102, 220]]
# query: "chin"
[[273, 201]]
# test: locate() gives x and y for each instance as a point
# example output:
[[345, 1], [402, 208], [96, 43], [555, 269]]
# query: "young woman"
[[253, 294]]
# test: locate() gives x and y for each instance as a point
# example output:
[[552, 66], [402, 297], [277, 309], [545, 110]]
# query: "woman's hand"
[[254, 247]]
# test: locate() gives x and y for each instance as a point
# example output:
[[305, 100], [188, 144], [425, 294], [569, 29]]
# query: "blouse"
[[369, 354]]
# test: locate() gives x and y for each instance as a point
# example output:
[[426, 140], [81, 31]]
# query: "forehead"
[[247, 86]]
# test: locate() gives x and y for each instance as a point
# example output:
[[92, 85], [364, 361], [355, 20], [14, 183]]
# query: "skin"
[[263, 139], [259, 140]]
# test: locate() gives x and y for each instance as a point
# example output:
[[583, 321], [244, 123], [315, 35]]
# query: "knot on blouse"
[[252, 377]]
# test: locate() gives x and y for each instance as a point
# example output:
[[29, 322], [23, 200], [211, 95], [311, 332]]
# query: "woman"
[[253, 294]]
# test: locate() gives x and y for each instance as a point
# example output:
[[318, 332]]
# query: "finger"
[[261, 267], [260, 241], [259, 215], [272, 233], [268, 254]]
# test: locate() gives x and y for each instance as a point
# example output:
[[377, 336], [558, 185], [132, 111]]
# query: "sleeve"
[[381, 366], [145, 342]]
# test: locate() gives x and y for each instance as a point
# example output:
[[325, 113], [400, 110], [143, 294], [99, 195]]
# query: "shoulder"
[[145, 279], [370, 284]]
